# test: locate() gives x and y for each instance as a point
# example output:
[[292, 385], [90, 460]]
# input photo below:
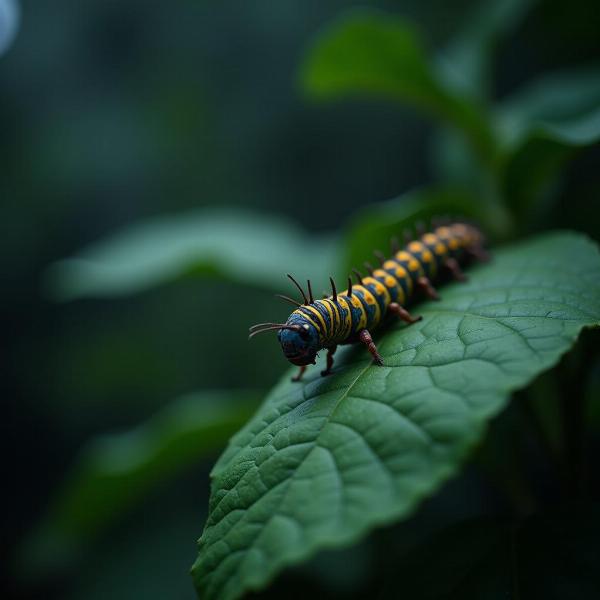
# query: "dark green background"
[[113, 111]]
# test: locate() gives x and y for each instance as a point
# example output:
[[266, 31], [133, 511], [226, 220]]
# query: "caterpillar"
[[349, 317]]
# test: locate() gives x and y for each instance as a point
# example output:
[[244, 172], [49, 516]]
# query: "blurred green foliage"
[[516, 155], [116, 471], [150, 119], [376, 54], [245, 248]]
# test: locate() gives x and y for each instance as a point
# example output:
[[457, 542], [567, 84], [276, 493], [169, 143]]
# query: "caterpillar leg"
[[365, 337], [428, 289], [330, 353], [452, 265], [402, 313], [298, 377]]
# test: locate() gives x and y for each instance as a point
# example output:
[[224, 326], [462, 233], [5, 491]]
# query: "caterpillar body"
[[348, 317]]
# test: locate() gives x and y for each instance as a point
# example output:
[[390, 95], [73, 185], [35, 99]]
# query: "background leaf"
[[542, 126], [554, 97], [113, 472], [241, 246], [324, 461], [466, 62], [370, 53], [466, 65]]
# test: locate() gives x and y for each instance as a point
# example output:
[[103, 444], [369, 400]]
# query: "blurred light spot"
[[9, 22]]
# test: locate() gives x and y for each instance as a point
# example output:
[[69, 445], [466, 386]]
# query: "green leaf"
[[543, 126], [114, 472], [466, 62], [244, 247], [553, 98], [325, 461], [371, 53], [549, 555], [537, 163], [466, 66]]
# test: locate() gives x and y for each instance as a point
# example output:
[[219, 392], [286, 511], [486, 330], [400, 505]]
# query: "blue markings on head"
[[301, 344]]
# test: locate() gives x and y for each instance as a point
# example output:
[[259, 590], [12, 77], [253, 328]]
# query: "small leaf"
[[553, 98], [466, 63], [325, 461], [542, 127], [240, 246], [536, 164], [466, 66], [371, 53], [115, 471]]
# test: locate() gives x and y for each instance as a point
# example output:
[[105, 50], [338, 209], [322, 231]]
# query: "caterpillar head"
[[298, 337], [299, 342]]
